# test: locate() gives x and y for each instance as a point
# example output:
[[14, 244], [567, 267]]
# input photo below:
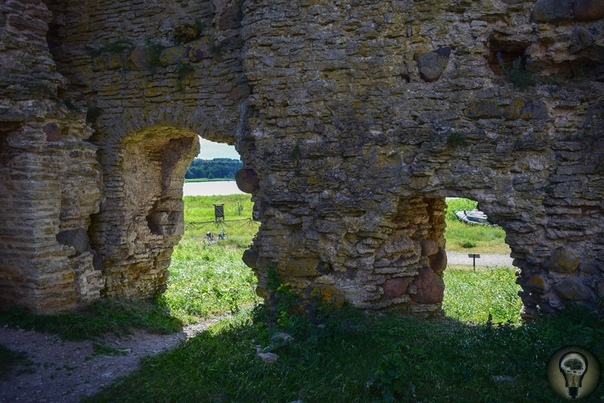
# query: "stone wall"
[[354, 119], [370, 113]]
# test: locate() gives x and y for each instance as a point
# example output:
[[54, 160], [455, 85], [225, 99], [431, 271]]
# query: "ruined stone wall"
[[354, 119], [102, 106], [49, 174], [366, 111]]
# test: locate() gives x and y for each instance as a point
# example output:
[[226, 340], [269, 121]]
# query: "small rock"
[[429, 247], [429, 287], [581, 40], [432, 64], [572, 289], [395, 287], [269, 358], [562, 260]]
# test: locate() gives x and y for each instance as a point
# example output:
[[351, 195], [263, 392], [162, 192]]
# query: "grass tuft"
[[99, 318], [9, 359]]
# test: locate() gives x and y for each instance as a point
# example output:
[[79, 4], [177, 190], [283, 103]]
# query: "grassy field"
[[463, 237], [478, 351]]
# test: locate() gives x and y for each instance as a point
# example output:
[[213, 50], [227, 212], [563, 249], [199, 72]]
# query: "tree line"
[[217, 168]]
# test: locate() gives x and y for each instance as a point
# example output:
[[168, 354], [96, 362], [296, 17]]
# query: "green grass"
[[208, 280], [479, 238], [352, 357], [343, 356], [10, 359], [471, 296], [99, 318]]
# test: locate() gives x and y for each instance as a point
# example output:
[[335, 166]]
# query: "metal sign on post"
[[219, 212], [474, 256]]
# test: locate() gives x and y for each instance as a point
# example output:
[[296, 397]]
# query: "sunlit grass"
[[208, 280], [473, 295], [462, 237]]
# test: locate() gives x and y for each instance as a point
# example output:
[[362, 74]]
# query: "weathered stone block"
[[563, 260], [573, 289], [303, 268], [438, 261], [588, 10], [77, 238], [247, 180], [429, 247], [581, 40], [173, 55], [429, 287], [395, 287], [552, 10], [537, 283], [140, 58], [200, 50], [432, 64]]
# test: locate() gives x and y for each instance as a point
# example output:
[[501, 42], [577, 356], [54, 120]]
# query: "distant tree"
[[217, 168]]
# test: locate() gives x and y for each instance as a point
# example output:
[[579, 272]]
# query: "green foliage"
[[457, 139], [117, 46], [97, 319], [101, 349], [183, 71], [517, 74], [295, 153], [154, 48], [224, 168], [93, 113], [467, 244], [9, 359], [456, 204], [114, 47]]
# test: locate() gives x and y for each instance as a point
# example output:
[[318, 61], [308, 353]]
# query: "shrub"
[[516, 73]]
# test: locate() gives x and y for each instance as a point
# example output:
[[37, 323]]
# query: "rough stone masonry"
[[354, 119]]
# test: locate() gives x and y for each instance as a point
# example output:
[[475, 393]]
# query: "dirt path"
[[485, 260], [65, 371]]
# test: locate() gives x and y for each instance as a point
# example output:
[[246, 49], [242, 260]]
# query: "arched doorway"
[[207, 275], [480, 280]]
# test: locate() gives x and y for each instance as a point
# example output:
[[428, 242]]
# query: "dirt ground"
[[66, 371]]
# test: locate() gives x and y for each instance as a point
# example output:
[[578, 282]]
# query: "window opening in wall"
[[488, 291], [207, 275]]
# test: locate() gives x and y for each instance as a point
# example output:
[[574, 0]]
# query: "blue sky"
[[210, 150]]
